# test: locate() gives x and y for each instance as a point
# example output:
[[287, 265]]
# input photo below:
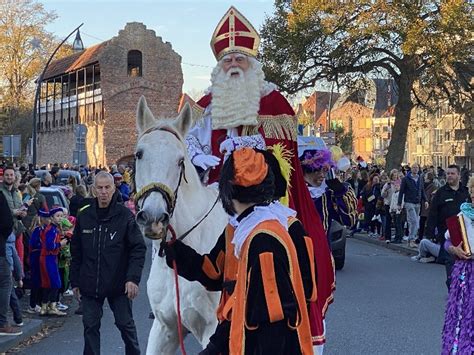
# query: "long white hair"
[[236, 100]]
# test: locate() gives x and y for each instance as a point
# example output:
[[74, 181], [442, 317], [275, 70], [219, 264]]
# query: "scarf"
[[274, 211], [467, 209]]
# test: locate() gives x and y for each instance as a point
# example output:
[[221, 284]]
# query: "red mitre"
[[234, 34]]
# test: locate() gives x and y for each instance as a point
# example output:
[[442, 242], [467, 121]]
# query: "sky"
[[187, 25]]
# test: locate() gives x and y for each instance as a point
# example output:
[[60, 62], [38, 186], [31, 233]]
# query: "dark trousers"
[[49, 295], [398, 221], [421, 231], [388, 223], [5, 290], [15, 306], [121, 306], [448, 260], [35, 297]]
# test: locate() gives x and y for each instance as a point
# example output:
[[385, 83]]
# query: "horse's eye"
[[139, 154]]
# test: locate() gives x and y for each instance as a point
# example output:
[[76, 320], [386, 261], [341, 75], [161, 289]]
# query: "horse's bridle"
[[168, 194]]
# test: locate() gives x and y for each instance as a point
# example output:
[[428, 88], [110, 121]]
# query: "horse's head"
[[160, 160]]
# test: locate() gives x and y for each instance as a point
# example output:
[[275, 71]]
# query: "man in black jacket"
[[108, 254], [446, 203]]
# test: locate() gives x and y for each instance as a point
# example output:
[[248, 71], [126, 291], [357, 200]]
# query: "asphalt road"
[[384, 304]]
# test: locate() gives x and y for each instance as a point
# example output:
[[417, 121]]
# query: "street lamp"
[[77, 45]]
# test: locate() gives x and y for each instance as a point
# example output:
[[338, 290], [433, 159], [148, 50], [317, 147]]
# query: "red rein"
[[178, 305]]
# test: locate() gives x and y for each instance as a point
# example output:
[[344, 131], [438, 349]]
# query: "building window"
[[438, 136], [134, 63]]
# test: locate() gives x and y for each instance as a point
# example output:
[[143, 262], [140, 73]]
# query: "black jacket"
[[6, 223], [106, 253], [445, 203], [412, 191]]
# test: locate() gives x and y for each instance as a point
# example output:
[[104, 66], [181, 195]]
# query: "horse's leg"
[[199, 325], [163, 339]]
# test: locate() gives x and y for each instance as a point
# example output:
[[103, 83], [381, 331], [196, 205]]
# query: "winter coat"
[[106, 253]]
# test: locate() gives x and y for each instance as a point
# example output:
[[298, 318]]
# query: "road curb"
[[401, 248], [30, 328]]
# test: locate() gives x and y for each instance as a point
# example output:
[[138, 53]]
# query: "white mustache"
[[234, 71]]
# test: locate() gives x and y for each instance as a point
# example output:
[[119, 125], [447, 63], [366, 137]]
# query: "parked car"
[[54, 197], [337, 236], [63, 176]]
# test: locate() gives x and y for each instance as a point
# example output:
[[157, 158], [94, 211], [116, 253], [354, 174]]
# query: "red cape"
[[274, 104]]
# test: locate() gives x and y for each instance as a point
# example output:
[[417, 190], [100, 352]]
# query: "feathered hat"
[[316, 159]]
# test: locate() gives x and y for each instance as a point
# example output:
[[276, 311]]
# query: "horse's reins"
[[170, 198]]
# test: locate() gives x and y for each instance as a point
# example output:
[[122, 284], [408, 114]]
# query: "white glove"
[[205, 161], [227, 146]]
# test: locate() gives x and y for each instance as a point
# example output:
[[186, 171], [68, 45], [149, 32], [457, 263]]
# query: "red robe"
[[277, 124]]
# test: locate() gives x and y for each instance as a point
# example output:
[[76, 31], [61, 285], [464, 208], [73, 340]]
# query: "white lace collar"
[[275, 211], [317, 192]]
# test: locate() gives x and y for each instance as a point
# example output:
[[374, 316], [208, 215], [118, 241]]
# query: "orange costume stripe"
[[275, 310]]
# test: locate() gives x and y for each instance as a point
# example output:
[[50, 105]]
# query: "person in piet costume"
[[334, 200], [263, 308], [241, 109], [458, 330], [51, 245]]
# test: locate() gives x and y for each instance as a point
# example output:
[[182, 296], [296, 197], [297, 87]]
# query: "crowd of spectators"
[[34, 250]]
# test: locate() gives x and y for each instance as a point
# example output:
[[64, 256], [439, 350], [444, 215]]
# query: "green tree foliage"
[[25, 46], [344, 139], [414, 42]]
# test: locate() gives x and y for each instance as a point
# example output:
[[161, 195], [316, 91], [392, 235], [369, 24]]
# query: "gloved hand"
[[205, 161], [335, 185], [227, 146]]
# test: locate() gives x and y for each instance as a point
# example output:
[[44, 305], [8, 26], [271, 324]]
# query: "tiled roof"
[[74, 61]]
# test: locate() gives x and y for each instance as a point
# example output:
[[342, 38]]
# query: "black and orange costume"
[[265, 294]]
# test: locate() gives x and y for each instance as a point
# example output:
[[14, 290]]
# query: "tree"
[[24, 44], [344, 139], [411, 41]]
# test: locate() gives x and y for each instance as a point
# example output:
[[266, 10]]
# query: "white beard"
[[236, 99]]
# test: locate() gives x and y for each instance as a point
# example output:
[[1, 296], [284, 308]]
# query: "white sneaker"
[[62, 307], [415, 258], [35, 310], [405, 238], [68, 293], [427, 260]]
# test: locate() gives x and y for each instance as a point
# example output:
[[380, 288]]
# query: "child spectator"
[[50, 280], [34, 258]]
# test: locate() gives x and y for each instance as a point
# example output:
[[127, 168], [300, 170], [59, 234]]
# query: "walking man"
[[108, 254], [412, 191]]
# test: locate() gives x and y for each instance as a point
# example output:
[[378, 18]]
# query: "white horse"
[[162, 164]]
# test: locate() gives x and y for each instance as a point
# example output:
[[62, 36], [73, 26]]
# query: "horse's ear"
[[145, 118], [183, 122]]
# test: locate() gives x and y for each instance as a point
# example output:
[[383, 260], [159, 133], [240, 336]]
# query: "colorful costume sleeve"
[[346, 204], [51, 239], [304, 250], [207, 269]]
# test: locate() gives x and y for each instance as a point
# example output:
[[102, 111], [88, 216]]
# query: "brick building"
[[364, 112], [88, 100]]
